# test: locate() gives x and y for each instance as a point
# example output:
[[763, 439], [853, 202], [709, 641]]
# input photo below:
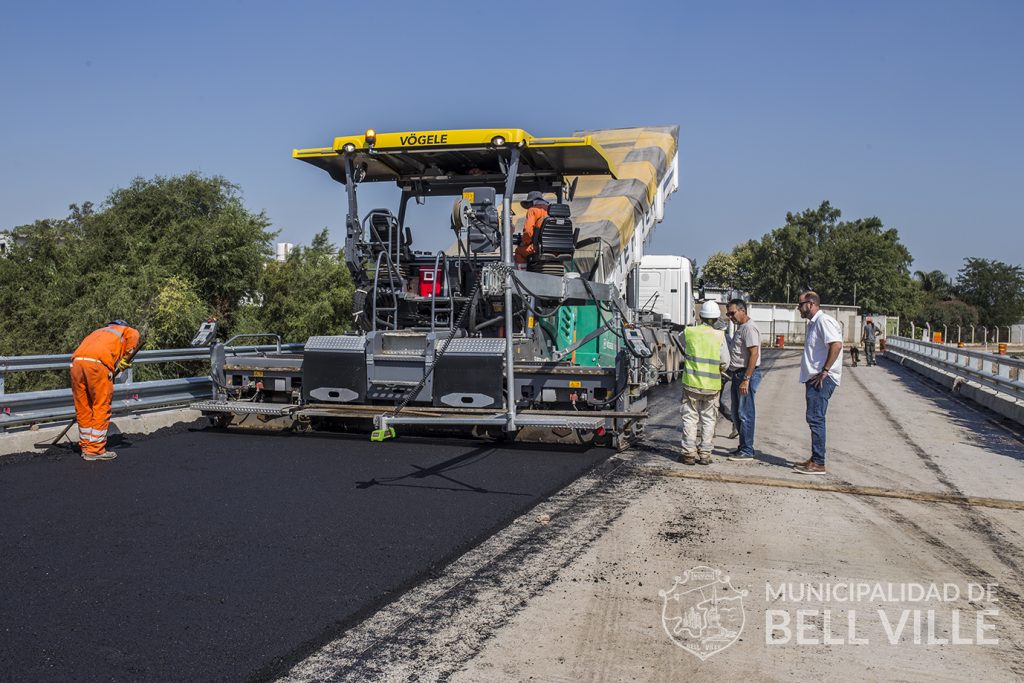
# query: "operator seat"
[[386, 235], [555, 240]]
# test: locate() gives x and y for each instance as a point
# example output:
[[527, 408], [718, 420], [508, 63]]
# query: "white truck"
[[666, 287], [665, 304]]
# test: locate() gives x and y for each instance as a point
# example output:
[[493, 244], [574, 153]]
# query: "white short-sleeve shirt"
[[821, 331]]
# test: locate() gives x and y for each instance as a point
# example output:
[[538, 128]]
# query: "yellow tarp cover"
[[608, 207]]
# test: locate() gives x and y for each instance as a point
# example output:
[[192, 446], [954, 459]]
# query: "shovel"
[[51, 444]]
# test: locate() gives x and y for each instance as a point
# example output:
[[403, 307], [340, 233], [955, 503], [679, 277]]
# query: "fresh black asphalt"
[[211, 555]]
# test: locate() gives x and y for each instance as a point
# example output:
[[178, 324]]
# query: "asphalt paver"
[[219, 555]]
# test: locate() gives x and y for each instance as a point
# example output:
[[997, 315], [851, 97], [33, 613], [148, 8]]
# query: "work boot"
[[810, 468], [687, 459], [704, 459], [105, 455]]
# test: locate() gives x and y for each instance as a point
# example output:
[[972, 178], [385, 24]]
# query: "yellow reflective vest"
[[702, 365]]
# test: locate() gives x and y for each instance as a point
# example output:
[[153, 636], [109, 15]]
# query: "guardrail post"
[[1, 382], [217, 360]]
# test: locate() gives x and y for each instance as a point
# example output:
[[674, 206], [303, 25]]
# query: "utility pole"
[[854, 293]]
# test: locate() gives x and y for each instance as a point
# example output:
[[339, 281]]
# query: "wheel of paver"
[[220, 420]]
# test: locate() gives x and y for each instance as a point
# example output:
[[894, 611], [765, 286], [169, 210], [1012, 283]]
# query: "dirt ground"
[[584, 587]]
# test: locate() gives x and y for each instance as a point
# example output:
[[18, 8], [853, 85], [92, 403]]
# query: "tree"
[[782, 263], [864, 264], [176, 314], [950, 312], [166, 249], [995, 288], [843, 261], [935, 282], [720, 269], [187, 225], [309, 293]]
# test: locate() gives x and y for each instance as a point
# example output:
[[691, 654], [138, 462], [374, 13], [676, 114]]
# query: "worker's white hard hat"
[[710, 309]]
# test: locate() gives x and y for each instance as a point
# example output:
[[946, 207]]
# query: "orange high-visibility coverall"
[[535, 215], [93, 365]]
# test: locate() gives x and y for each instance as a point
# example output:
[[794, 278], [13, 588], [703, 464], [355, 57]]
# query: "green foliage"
[[841, 260], [720, 269], [863, 263], [995, 288], [934, 282], [309, 293], [163, 253], [175, 315], [950, 312], [187, 225]]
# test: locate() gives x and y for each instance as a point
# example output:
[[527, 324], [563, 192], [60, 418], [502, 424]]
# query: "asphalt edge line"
[[849, 489]]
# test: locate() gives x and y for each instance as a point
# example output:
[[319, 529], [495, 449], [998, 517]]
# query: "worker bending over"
[[101, 355]]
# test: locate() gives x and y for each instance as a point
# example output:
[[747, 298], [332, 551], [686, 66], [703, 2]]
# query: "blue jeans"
[[743, 413], [817, 406]]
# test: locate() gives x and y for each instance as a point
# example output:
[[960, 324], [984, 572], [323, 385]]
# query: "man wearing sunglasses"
[[820, 371], [745, 372]]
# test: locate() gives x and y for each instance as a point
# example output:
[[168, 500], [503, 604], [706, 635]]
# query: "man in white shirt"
[[820, 372]]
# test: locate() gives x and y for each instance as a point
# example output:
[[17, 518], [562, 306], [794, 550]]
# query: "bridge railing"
[[56, 404], [1000, 373]]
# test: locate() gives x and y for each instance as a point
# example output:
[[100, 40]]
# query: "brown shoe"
[[105, 455], [810, 468], [687, 459], [805, 463], [704, 459]]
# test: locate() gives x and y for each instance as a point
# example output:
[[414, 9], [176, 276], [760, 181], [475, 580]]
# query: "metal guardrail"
[[57, 404], [1001, 373]]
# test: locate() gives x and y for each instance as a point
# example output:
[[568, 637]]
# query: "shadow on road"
[[983, 427], [442, 470]]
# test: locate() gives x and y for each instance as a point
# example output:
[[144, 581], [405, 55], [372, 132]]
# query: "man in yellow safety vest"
[[707, 355]]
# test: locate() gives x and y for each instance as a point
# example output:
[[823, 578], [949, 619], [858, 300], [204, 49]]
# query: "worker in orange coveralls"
[[95, 362], [536, 211]]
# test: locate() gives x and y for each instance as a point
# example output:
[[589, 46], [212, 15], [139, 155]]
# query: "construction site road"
[[948, 568], [223, 556], [645, 569], [210, 555]]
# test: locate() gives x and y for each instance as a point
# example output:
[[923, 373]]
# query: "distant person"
[[706, 356], [536, 211], [868, 336], [820, 372], [745, 375], [101, 355]]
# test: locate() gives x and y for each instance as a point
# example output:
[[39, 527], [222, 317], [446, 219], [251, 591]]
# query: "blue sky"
[[911, 111]]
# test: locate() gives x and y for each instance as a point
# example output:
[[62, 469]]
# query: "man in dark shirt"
[[868, 337]]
